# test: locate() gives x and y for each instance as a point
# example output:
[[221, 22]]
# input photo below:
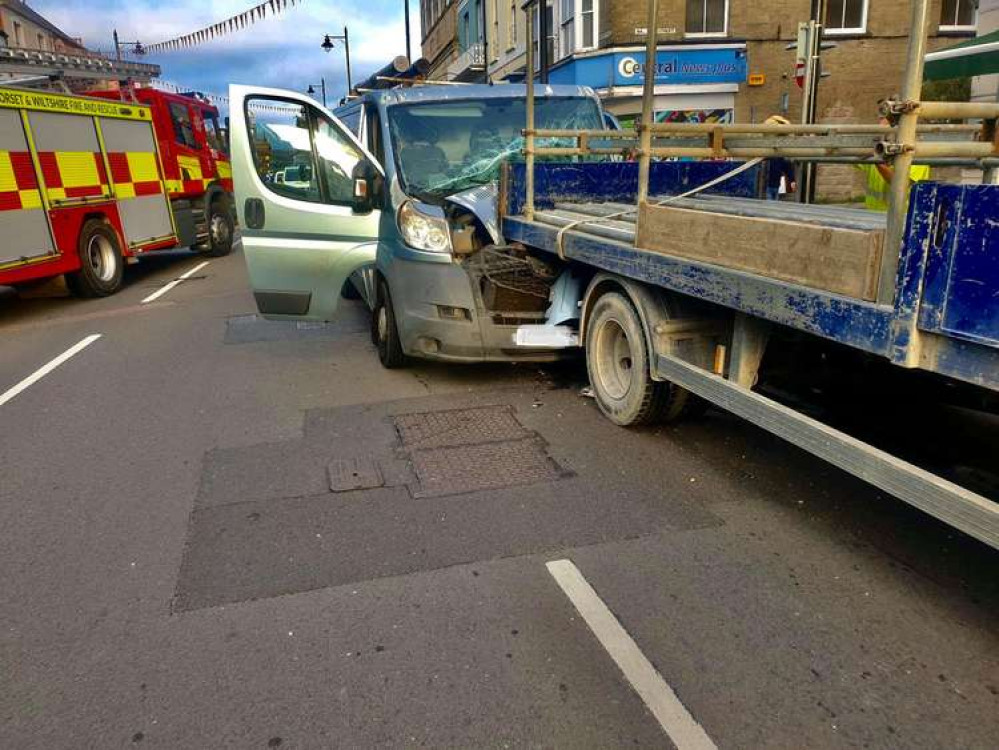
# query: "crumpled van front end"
[[448, 287]]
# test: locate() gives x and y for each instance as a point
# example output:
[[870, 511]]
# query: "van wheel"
[[101, 264], [385, 331], [617, 360], [220, 228]]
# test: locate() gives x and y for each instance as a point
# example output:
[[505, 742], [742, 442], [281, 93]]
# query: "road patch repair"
[[467, 450], [388, 489]]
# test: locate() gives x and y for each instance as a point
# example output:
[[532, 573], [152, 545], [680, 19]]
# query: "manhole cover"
[[454, 427], [354, 474], [470, 468]]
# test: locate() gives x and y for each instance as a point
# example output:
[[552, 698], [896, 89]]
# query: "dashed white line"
[[164, 289], [44, 370], [657, 695]]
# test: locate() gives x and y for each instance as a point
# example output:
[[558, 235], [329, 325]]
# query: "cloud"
[[281, 51]]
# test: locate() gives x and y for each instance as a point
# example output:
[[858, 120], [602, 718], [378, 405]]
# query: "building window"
[[846, 16], [587, 30], [567, 33], [512, 30], [550, 46], [41, 41], [496, 30], [958, 15], [18, 35], [707, 17]]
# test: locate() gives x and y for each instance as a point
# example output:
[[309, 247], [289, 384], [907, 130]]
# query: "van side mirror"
[[367, 182]]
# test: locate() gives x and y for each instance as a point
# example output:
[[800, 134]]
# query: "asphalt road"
[[179, 573]]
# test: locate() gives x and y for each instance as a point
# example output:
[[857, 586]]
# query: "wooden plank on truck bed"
[[835, 259]]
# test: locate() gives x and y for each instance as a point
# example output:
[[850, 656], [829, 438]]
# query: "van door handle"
[[253, 213]]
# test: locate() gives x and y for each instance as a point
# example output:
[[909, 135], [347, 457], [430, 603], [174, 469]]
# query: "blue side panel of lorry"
[[618, 181], [961, 288]]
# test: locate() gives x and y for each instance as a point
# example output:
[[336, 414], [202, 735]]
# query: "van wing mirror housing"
[[367, 187]]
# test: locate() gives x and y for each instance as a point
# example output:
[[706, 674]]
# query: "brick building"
[[709, 52], [24, 28]]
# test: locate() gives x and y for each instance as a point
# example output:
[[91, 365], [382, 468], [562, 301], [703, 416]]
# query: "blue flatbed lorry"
[[683, 292], [705, 325]]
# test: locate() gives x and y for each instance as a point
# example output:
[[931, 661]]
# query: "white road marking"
[[44, 370], [660, 699], [164, 289]]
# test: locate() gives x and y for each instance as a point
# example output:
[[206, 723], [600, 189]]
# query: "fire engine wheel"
[[101, 264], [385, 331], [220, 228], [617, 359]]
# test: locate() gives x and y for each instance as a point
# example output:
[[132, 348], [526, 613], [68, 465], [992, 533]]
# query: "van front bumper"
[[438, 318]]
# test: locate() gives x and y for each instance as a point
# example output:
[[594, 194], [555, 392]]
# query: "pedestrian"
[[879, 177], [778, 170]]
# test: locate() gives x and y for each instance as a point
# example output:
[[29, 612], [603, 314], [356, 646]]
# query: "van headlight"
[[423, 231]]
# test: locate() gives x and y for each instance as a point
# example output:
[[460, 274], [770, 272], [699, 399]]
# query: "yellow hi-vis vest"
[[877, 190]]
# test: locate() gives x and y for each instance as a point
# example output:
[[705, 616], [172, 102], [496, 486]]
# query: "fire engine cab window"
[[299, 154], [214, 134], [182, 127]]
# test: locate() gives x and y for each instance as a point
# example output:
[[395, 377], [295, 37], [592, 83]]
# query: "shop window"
[[707, 17], [958, 15], [846, 16]]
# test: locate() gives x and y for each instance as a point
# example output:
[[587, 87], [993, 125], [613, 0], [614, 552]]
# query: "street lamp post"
[[137, 46], [328, 45], [322, 85], [405, 5]]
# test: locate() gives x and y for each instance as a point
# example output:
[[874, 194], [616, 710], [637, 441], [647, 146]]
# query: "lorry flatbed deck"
[[947, 264]]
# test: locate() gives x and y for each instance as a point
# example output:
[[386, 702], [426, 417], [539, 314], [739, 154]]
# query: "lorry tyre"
[[101, 264], [617, 360], [221, 227], [386, 332]]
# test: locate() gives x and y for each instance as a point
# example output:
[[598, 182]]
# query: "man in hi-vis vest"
[[879, 177]]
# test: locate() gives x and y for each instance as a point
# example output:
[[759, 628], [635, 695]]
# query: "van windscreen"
[[445, 147]]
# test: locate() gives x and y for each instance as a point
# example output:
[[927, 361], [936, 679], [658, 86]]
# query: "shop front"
[[694, 83]]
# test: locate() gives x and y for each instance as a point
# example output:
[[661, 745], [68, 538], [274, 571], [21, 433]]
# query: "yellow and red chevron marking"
[[134, 174], [73, 174], [18, 184]]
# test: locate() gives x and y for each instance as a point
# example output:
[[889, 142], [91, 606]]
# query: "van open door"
[[308, 196]]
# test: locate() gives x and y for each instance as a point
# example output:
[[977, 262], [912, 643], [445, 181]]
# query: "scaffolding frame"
[[897, 145]]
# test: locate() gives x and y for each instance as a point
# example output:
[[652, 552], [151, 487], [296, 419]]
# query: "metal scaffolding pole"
[[529, 132], [648, 102], [908, 120]]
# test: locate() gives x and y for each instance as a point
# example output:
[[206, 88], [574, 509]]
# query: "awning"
[[975, 57]]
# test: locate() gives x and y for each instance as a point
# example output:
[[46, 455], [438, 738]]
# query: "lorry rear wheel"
[[386, 332], [220, 228], [617, 360], [101, 264]]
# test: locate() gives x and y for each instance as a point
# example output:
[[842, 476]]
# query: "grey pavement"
[[178, 571]]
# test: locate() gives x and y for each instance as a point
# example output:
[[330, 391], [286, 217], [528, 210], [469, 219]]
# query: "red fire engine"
[[89, 182]]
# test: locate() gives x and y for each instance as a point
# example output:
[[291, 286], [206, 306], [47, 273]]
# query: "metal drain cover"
[[461, 469], [350, 474], [454, 427]]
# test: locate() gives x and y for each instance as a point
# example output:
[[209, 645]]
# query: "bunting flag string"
[[236, 23]]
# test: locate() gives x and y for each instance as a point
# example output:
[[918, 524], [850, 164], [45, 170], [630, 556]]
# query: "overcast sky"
[[280, 51]]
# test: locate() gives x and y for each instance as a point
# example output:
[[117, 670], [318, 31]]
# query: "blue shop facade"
[[694, 82]]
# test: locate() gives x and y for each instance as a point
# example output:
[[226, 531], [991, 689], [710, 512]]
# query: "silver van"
[[397, 193]]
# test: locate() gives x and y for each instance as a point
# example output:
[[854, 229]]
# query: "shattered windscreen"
[[445, 147]]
